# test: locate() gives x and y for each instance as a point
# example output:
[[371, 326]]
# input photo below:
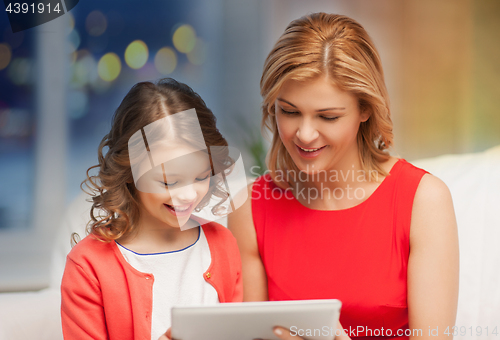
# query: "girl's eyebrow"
[[320, 110], [171, 175]]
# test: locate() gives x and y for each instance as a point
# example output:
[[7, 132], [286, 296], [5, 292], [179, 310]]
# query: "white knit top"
[[178, 279]]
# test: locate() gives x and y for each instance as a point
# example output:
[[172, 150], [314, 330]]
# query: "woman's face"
[[318, 124]]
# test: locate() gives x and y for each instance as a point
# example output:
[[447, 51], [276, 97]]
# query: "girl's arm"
[[240, 223], [82, 312], [433, 265]]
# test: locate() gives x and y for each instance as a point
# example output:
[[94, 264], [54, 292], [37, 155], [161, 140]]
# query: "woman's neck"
[[347, 172], [341, 186]]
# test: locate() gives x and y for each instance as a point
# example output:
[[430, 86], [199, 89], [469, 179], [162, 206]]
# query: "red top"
[[104, 297], [358, 255]]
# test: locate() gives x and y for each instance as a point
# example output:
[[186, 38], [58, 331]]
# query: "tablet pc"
[[313, 319]]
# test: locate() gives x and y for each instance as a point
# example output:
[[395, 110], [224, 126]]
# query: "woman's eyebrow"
[[321, 110]]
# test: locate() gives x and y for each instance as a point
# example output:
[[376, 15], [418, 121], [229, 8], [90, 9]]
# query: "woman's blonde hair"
[[338, 47], [115, 210]]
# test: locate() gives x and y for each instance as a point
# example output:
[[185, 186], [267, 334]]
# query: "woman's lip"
[[310, 148], [307, 154]]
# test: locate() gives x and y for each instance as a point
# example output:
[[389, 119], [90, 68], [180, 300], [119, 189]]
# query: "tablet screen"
[[311, 319]]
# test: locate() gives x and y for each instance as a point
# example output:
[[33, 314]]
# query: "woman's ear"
[[365, 115], [271, 110]]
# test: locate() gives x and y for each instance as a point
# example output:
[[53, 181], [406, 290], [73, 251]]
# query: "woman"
[[337, 216]]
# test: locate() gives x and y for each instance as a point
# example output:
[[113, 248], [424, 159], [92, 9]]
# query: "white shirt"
[[178, 279]]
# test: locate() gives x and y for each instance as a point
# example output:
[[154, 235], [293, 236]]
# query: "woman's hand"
[[285, 334], [167, 335]]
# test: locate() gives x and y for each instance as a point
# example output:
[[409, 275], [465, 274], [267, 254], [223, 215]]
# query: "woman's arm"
[[240, 222], [434, 261]]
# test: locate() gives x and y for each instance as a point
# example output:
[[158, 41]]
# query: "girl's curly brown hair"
[[115, 209]]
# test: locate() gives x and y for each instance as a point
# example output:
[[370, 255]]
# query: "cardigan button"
[[208, 275]]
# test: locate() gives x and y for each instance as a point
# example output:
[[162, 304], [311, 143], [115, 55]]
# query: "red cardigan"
[[104, 297]]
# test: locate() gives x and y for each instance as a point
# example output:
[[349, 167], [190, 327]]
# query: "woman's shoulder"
[[409, 167]]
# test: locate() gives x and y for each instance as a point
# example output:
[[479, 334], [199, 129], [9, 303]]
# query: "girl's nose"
[[186, 194], [307, 133]]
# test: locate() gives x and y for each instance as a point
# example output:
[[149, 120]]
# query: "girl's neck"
[[151, 237]]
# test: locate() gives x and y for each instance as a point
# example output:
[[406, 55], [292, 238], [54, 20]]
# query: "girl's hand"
[[284, 334], [167, 335]]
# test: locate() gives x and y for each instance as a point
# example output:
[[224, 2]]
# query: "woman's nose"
[[307, 133]]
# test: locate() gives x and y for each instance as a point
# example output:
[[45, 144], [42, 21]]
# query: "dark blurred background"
[[61, 82]]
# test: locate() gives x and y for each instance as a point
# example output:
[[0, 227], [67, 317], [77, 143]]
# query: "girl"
[[338, 216], [145, 252]]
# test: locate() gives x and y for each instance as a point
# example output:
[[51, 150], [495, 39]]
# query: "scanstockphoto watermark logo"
[[24, 15], [309, 185], [359, 331]]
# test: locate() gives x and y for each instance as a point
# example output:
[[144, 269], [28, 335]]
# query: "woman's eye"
[[330, 118], [169, 184], [288, 112]]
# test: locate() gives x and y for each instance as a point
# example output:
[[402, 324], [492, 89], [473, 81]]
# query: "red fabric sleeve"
[[82, 312]]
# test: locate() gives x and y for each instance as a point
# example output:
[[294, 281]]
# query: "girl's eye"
[[168, 184], [202, 179], [330, 118], [288, 112]]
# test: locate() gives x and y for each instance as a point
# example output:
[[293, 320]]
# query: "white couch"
[[474, 181]]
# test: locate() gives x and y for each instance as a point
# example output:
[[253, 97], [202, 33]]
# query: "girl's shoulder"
[[89, 248], [216, 232]]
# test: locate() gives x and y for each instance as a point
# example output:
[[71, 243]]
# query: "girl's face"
[[318, 124], [174, 189]]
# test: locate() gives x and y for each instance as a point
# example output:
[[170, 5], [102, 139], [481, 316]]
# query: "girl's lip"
[[307, 154], [186, 212]]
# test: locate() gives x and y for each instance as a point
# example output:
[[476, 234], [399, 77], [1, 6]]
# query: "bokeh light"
[[136, 54], [84, 70], [165, 60], [198, 54], [100, 86], [78, 104], [184, 38], [19, 71], [96, 23], [109, 67], [74, 39], [5, 55]]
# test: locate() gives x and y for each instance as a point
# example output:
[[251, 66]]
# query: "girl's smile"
[[180, 210]]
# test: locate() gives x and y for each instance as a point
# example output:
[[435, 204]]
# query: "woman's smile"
[[310, 152]]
